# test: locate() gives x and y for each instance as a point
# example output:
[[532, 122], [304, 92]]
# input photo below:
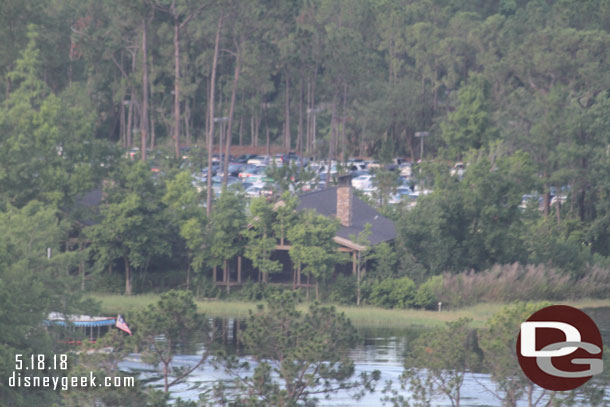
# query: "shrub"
[[204, 286], [394, 293], [343, 290], [105, 282], [255, 291], [427, 293]]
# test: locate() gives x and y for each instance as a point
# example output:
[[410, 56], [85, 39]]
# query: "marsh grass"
[[515, 282], [366, 317]]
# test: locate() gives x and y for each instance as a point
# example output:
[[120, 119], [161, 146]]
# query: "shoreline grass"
[[365, 316]]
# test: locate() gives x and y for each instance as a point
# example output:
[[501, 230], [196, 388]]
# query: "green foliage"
[[385, 183], [226, 223], [343, 290], [557, 246], [384, 259], [184, 207], [394, 293], [445, 355], [31, 286], [298, 355], [469, 126], [101, 363], [290, 177], [131, 228], [312, 244], [254, 291], [497, 342], [175, 318], [475, 222], [286, 215], [427, 293], [47, 151], [260, 236]]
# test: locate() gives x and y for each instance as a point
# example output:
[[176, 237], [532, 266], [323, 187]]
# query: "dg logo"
[[560, 348]]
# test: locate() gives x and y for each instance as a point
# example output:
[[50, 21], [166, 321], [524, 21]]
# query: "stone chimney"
[[344, 200]]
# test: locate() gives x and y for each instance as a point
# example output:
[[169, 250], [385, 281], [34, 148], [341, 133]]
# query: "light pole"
[[421, 135]]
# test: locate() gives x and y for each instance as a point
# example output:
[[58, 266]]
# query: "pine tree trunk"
[[151, 110], [188, 277], [122, 127], [257, 121], [287, 117], [299, 146], [144, 114], [187, 122], [176, 87], [230, 123], [81, 268], [313, 123], [331, 144], [127, 277], [252, 135], [343, 120], [211, 118], [227, 277], [128, 133], [241, 130]]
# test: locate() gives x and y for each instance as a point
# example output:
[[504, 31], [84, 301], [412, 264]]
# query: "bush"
[[255, 291], [343, 290], [203, 286], [105, 282], [427, 293], [394, 293]]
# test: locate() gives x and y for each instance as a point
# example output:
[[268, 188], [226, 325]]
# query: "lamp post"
[[421, 135]]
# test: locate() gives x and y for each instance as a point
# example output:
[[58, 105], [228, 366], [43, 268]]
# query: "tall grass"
[[506, 283], [366, 317]]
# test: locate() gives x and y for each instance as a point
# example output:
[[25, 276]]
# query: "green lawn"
[[367, 316]]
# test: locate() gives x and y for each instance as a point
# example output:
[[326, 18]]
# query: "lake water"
[[382, 349]]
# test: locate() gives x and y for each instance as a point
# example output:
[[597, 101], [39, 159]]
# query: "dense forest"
[[516, 91]]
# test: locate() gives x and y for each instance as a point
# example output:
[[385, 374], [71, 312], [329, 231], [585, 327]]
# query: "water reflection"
[[381, 349]]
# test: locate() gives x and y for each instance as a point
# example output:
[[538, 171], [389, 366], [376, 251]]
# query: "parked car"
[[406, 170], [251, 171], [363, 182], [253, 191], [458, 169], [402, 194], [357, 166], [244, 158], [259, 160]]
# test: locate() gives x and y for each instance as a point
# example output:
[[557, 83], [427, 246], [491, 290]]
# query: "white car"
[[458, 169], [259, 160], [406, 170], [254, 191], [363, 182]]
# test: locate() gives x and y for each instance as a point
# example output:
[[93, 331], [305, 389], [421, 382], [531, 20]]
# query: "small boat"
[[85, 326]]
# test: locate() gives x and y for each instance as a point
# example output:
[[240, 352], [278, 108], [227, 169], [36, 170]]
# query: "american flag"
[[122, 325]]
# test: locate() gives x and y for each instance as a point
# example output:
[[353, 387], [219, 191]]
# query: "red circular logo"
[[560, 348]]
